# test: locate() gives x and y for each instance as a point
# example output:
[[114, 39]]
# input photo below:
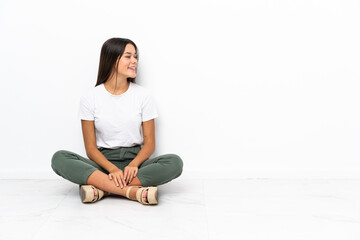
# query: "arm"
[[116, 174], [88, 129], [148, 148], [149, 143]]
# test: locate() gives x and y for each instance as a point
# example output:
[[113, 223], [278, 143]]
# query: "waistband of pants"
[[102, 148]]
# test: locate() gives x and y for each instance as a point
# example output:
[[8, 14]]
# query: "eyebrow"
[[128, 53]]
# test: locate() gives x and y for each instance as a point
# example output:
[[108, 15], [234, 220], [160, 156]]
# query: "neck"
[[117, 85]]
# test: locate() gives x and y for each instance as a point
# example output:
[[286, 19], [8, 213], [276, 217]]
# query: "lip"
[[132, 68]]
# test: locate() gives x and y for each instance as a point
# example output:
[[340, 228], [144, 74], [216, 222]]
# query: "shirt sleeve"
[[148, 109], [86, 108]]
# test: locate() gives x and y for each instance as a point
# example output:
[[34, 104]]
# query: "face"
[[128, 62]]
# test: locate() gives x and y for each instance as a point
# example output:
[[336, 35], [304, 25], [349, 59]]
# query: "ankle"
[[133, 191]]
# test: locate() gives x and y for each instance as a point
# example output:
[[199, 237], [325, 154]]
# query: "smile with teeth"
[[132, 68]]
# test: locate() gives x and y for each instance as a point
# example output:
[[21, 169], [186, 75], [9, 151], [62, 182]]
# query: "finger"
[[110, 176], [124, 181], [130, 180], [126, 173], [121, 180], [136, 171], [121, 177], [116, 181], [133, 175], [130, 177]]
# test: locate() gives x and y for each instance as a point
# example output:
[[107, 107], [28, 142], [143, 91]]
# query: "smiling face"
[[127, 65]]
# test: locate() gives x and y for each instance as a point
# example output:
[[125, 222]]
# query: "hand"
[[118, 177], [130, 172]]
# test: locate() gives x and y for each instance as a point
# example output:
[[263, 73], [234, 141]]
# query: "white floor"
[[245, 209]]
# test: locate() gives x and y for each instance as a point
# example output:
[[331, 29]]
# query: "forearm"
[[99, 158], [143, 154]]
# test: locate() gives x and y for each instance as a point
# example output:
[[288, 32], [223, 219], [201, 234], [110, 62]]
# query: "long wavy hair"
[[111, 50]]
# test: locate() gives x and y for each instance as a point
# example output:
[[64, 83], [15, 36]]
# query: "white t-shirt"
[[118, 118]]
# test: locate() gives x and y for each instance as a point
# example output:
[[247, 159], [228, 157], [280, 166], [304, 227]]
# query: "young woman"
[[117, 118]]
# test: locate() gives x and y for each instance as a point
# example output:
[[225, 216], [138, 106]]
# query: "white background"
[[243, 88]]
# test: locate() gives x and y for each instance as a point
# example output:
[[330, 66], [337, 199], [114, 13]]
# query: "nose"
[[134, 60]]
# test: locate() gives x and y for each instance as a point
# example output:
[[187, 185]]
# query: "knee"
[[57, 159], [177, 163]]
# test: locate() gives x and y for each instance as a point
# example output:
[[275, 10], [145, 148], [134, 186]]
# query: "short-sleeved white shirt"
[[117, 118]]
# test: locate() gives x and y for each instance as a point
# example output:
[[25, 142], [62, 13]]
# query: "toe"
[[145, 195], [95, 194]]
